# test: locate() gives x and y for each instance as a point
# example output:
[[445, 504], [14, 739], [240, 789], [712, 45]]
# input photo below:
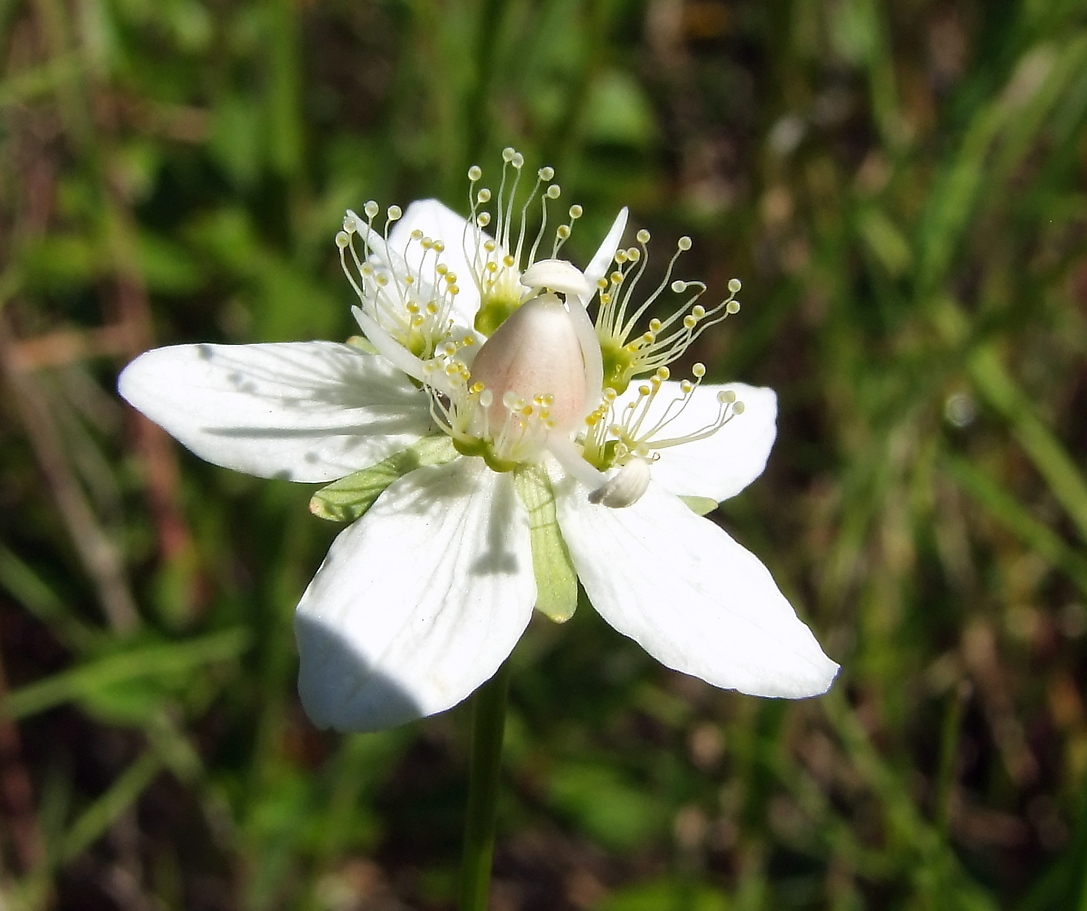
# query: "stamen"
[[410, 296], [497, 264], [544, 176], [563, 232], [614, 438], [628, 354]]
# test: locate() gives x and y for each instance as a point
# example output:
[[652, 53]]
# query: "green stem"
[[488, 725]]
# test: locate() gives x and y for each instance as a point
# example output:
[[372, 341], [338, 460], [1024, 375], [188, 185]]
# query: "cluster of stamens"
[[615, 435], [498, 261], [414, 304], [626, 352], [504, 434]]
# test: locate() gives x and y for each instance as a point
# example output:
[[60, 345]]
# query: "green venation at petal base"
[[349, 498], [556, 581]]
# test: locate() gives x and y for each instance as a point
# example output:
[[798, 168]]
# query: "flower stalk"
[[488, 727]]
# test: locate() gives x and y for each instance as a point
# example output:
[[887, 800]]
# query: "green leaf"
[[619, 111], [618, 811], [93, 823], [556, 581], [92, 680], [349, 498], [666, 893], [1003, 393]]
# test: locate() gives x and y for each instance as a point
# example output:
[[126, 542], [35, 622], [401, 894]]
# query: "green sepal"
[[362, 343], [700, 505], [348, 498], [483, 449], [556, 581]]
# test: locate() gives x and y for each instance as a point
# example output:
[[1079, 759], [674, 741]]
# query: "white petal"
[[387, 346], [417, 603], [721, 465], [304, 411], [601, 262], [691, 596], [461, 238]]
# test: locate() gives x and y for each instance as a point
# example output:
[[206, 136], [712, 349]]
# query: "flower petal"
[[387, 346], [602, 260], [691, 596], [461, 238], [417, 603], [304, 411], [723, 464]]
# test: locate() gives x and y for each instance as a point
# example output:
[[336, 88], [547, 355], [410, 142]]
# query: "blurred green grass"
[[902, 190]]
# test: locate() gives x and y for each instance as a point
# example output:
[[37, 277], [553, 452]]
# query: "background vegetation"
[[902, 189]]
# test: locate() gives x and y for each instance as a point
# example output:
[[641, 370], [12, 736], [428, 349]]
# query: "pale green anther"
[[556, 581], [349, 498], [700, 505]]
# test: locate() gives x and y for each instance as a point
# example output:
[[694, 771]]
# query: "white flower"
[[490, 441]]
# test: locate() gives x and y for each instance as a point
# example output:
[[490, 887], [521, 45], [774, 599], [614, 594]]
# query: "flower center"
[[527, 381]]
